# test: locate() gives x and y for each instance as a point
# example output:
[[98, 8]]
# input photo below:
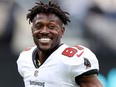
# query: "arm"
[[90, 81]]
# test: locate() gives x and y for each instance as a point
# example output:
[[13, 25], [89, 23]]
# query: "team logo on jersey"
[[87, 63], [36, 73]]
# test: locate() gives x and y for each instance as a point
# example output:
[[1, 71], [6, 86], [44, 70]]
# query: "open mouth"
[[44, 40]]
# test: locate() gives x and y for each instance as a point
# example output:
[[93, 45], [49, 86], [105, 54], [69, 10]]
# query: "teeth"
[[44, 39]]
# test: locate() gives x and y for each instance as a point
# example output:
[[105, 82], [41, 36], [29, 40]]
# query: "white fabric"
[[58, 70]]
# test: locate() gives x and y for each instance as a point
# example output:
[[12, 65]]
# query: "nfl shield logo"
[[36, 73]]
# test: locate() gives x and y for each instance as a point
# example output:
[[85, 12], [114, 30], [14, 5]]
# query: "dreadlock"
[[48, 8]]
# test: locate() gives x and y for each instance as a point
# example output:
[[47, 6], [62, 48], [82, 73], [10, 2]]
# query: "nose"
[[45, 30]]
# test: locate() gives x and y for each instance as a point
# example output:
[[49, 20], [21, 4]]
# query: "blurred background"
[[93, 24]]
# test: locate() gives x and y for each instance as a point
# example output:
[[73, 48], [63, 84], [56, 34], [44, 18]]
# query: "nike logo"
[[78, 55]]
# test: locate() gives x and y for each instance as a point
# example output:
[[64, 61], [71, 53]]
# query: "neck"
[[43, 55]]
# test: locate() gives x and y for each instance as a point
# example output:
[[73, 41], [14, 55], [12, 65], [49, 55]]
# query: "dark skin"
[[90, 81], [47, 32]]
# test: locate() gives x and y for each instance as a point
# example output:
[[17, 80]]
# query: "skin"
[[90, 81], [50, 28]]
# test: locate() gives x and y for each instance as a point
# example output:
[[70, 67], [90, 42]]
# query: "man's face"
[[47, 31]]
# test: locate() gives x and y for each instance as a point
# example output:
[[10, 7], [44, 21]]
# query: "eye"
[[51, 27], [38, 26]]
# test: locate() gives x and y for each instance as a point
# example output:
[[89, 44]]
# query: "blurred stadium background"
[[93, 25]]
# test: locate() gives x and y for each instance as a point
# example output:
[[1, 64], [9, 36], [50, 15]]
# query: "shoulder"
[[26, 53], [80, 59], [76, 55], [25, 60]]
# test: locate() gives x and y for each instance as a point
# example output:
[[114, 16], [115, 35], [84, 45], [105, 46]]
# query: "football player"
[[51, 63]]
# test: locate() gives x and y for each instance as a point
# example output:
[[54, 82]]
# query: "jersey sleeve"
[[20, 64], [89, 65], [24, 61]]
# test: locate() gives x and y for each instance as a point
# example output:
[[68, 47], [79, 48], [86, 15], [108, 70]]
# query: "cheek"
[[58, 33], [35, 32], [57, 37]]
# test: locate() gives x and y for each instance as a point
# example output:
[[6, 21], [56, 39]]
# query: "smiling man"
[[47, 31], [51, 63]]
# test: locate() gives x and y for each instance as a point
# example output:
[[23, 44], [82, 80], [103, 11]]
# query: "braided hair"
[[51, 7]]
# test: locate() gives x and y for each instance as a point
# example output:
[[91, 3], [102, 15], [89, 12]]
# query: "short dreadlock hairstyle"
[[51, 7]]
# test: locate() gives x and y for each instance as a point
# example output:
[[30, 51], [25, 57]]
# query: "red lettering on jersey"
[[70, 52], [78, 47]]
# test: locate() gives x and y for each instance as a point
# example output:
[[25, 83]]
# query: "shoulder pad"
[[73, 55], [76, 55]]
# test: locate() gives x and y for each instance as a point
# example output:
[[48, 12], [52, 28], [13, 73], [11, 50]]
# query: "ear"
[[62, 31], [31, 25], [32, 29]]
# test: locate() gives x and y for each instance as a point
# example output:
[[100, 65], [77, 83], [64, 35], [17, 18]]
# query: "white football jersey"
[[60, 68]]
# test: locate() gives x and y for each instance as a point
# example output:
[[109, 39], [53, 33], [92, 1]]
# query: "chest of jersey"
[[53, 73], [59, 70]]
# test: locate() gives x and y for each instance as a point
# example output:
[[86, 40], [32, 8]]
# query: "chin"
[[44, 48], [47, 47]]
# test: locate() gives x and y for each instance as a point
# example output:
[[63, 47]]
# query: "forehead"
[[47, 17]]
